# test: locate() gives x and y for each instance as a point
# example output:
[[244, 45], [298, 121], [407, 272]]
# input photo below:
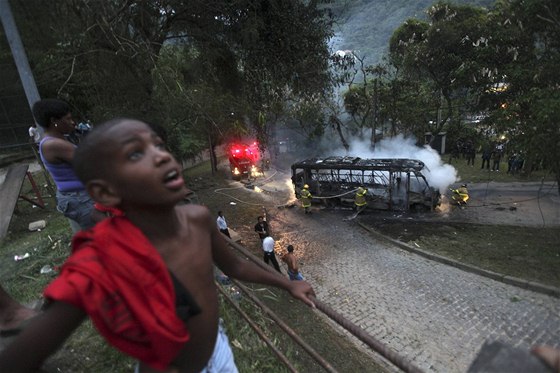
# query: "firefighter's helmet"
[[361, 190], [464, 185], [306, 186]]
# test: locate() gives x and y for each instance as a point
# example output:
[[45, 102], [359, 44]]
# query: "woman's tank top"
[[64, 176]]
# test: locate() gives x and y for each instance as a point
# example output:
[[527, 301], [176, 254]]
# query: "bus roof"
[[356, 163]]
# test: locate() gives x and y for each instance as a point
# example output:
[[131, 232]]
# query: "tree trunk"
[[375, 116], [213, 161], [336, 122]]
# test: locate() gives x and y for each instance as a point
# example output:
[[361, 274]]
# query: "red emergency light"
[[244, 151], [236, 151]]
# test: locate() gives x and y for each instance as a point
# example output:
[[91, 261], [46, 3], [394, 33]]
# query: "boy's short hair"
[[260, 217], [44, 110], [290, 248], [89, 160]]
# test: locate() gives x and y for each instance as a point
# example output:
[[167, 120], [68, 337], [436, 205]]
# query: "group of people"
[[515, 163], [491, 156], [79, 131], [268, 244], [360, 199], [144, 275], [492, 153]]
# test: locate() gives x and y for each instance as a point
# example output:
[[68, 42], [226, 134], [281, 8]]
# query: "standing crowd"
[[492, 155]]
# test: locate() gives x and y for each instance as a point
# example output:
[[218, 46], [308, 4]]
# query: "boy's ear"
[[102, 192]]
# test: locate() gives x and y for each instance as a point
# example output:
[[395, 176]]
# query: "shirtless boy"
[[291, 262], [123, 272]]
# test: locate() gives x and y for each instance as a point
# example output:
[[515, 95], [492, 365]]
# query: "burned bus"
[[392, 184]]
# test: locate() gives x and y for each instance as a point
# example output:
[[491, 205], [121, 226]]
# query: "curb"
[[521, 283]]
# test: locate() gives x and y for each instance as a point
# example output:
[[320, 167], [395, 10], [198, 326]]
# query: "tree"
[[439, 55], [527, 40], [106, 57]]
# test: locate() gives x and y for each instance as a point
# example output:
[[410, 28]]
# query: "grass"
[[529, 253], [524, 252], [474, 174]]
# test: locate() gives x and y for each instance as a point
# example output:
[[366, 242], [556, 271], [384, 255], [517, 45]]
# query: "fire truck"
[[243, 160], [392, 184]]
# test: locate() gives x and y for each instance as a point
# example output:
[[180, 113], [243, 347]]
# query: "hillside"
[[367, 25]]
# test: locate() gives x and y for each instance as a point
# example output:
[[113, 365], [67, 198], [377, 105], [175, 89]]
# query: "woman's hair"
[[44, 110]]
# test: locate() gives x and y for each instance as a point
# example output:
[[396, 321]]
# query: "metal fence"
[[14, 140]]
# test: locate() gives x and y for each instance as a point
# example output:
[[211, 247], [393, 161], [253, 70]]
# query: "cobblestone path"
[[435, 315]]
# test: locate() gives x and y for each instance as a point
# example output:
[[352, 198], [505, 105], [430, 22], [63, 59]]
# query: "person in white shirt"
[[34, 135], [268, 250], [222, 225]]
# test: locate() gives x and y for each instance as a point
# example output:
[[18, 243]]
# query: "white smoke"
[[439, 174]]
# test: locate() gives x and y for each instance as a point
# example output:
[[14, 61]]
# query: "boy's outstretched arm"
[[246, 270], [41, 338], [549, 355]]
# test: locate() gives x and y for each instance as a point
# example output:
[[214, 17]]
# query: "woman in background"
[[57, 154]]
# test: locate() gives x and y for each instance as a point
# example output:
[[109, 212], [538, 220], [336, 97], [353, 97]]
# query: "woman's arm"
[[41, 338], [57, 150]]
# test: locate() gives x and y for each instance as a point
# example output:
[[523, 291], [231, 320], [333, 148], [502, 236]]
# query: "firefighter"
[[305, 196], [461, 195], [360, 199]]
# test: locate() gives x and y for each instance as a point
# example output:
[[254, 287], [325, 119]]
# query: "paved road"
[[518, 203], [435, 315]]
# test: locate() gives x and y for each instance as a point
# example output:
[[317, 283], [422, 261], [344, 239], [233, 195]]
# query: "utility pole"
[[18, 52], [24, 71]]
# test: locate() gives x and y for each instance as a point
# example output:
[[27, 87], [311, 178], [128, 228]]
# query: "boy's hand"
[[548, 354], [303, 291]]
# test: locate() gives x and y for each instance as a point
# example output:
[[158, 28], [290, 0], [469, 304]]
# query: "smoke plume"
[[439, 174]]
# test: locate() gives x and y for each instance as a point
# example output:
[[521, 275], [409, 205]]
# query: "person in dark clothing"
[[486, 155], [262, 228], [470, 153], [496, 158]]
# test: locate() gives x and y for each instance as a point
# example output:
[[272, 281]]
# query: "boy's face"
[[141, 170]]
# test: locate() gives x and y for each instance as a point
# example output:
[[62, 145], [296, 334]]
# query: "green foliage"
[[311, 116], [367, 25], [527, 39], [441, 54], [207, 67]]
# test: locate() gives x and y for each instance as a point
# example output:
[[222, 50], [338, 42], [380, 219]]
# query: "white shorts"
[[221, 360]]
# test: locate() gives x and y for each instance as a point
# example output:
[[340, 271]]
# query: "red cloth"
[[112, 211], [118, 277]]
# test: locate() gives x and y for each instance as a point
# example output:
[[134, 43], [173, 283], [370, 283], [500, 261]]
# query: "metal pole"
[[259, 331], [18, 52], [22, 64]]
